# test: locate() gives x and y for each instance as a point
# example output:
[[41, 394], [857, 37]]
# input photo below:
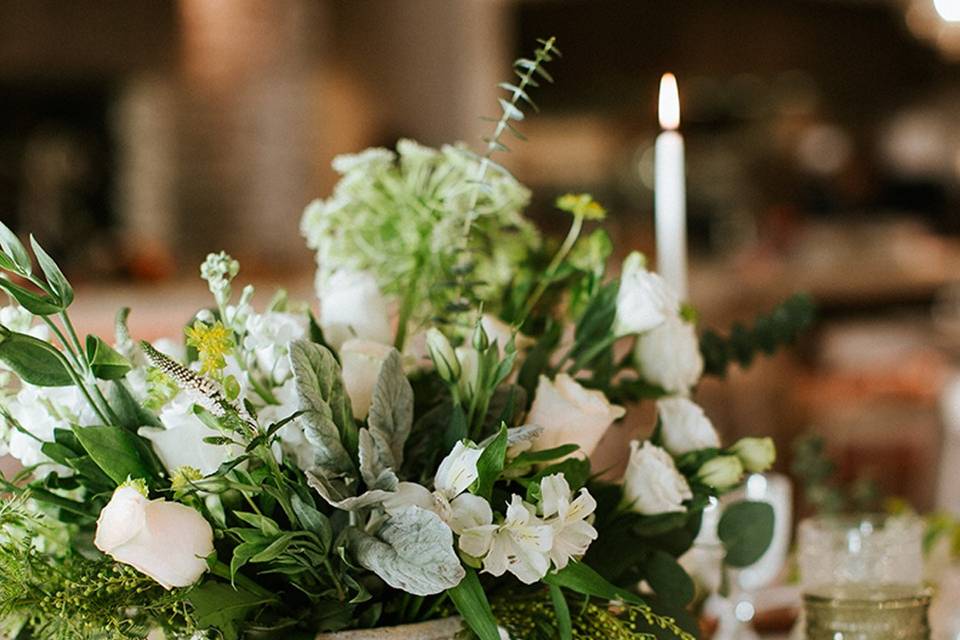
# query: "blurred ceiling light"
[[949, 10], [916, 144], [824, 149]]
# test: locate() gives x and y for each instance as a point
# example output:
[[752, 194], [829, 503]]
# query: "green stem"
[[407, 305], [572, 235]]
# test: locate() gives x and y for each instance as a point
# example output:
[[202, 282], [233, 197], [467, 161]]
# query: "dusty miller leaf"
[[327, 416], [412, 552], [391, 408], [376, 461], [337, 495]]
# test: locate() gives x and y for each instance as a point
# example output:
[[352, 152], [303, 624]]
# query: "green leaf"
[[580, 578], [327, 415], [564, 625], [266, 525], [34, 361], [746, 530], [391, 407], [546, 455], [490, 465], [55, 279], [223, 607], [312, 520], [667, 578], [277, 547], [104, 361], [471, 601], [130, 413], [15, 251], [37, 304], [412, 552], [117, 451]]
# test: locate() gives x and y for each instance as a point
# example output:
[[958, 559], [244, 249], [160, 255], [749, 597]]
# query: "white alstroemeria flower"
[[269, 336], [361, 362], [455, 474], [521, 545], [352, 306], [570, 414], [572, 531], [180, 442], [669, 355], [644, 300], [652, 484], [166, 541], [685, 427]]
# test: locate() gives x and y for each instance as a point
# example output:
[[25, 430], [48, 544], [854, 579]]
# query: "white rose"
[[268, 335], [756, 454], [652, 484], [351, 306], [361, 361], [644, 300], [180, 442], [570, 414], [669, 355], [721, 473], [684, 427], [167, 541]]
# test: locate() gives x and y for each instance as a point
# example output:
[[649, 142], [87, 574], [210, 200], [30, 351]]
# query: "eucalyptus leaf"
[[667, 578], [412, 552], [36, 362], [327, 417], [391, 407], [746, 530], [55, 279]]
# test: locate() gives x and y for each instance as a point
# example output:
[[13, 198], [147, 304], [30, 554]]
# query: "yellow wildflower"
[[213, 342], [582, 205]]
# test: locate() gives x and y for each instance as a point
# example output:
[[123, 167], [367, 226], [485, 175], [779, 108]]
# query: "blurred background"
[[823, 142]]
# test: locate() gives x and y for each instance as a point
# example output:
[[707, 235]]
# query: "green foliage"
[[73, 597], [746, 530], [33, 360], [769, 332], [471, 602]]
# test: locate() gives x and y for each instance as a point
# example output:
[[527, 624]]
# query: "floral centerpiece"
[[421, 448]]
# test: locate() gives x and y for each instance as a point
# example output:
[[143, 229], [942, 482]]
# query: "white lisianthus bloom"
[[644, 300], [684, 427], [756, 454], [352, 306], [180, 442], [572, 531], [721, 473], [652, 484], [361, 361], [570, 414], [166, 541], [521, 545], [269, 336], [669, 355]]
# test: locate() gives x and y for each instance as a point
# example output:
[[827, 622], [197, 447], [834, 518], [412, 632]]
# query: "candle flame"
[[669, 102]]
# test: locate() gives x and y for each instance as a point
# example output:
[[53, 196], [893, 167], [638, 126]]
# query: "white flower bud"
[[443, 356], [644, 300], [721, 473], [756, 454]]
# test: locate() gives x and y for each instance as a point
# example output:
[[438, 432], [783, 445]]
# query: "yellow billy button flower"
[[581, 205], [213, 342], [183, 478]]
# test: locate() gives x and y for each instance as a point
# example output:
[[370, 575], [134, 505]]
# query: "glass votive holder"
[[862, 578]]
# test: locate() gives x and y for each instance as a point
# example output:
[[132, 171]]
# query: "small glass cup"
[[862, 578]]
